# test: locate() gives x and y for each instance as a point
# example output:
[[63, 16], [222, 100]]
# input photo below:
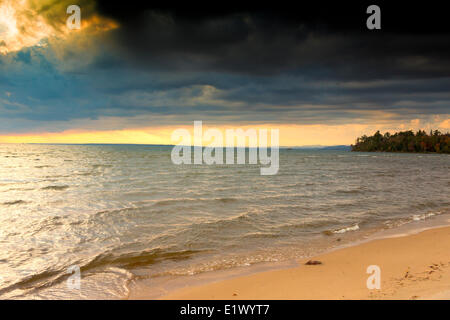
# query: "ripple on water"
[[55, 188]]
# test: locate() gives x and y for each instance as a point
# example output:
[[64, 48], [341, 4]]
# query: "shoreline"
[[414, 264]]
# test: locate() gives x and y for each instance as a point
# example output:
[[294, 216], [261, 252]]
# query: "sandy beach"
[[415, 266]]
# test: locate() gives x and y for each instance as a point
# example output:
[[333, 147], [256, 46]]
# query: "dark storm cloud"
[[307, 64], [320, 40]]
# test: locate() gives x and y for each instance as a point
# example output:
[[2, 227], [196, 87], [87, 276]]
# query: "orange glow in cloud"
[[18, 29], [22, 24]]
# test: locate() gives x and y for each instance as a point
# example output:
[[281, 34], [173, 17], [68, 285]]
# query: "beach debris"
[[407, 274], [313, 262], [235, 294], [328, 232]]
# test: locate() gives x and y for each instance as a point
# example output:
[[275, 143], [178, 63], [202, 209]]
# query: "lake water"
[[125, 213]]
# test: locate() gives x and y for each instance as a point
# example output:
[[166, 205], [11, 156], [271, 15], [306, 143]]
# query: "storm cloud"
[[320, 40], [316, 63]]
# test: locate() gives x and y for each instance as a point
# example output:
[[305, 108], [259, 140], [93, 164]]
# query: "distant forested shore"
[[404, 141]]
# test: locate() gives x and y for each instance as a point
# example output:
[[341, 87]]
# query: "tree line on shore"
[[404, 141]]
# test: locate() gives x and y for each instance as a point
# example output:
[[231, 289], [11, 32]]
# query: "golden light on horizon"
[[290, 134]]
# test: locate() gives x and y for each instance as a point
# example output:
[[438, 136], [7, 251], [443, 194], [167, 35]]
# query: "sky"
[[136, 71]]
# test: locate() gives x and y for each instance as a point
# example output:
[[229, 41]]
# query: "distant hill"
[[319, 147], [404, 141], [340, 147]]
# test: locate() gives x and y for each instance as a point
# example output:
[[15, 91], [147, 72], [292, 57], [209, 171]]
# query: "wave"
[[34, 281], [351, 191], [56, 188], [109, 261], [299, 184], [419, 217], [205, 230], [224, 263], [97, 166], [385, 174], [304, 225], [414, 218], [86, 174], [342, 230], [18, 189], [167, 202], [260, 235], [347, 229], [425, 204], [225, 200], [10, 203], [138, 258]]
